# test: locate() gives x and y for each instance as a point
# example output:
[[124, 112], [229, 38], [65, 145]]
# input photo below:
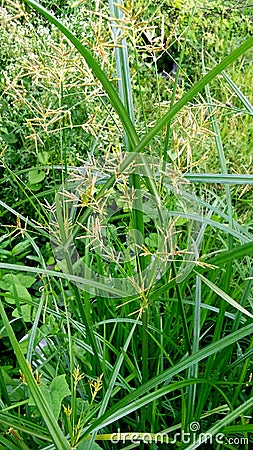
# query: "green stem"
[[182, 312]]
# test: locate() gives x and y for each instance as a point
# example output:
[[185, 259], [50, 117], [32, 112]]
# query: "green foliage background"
[[181, 351]]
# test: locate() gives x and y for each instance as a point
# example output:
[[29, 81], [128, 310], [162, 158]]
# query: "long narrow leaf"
[[116, 102], [99, 73], [67, 276], [226, 297], [223, 422], [117, 411], [47, 415], [194, 91], [239, 252], [25, 426], [219, 178]]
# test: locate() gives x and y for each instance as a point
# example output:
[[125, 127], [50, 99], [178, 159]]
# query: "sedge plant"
[[141, 330]]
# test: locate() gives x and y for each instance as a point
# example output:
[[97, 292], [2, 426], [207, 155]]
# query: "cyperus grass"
[[146, 317]]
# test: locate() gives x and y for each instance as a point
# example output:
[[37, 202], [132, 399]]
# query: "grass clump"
[[126, 273]]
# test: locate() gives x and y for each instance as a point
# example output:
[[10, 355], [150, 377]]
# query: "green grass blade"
[[25, 219], [33, 332], [223, 165], [227, 275], [244, 370], [225, 297], [193, 92], [3, 389], [99, 73], [214, 224], [80, 280], [193, 370], [219, 178], [25, 426], [125, 92], [248, 428], [114, 374], [122, 60], [203, 353], [47, 415], [147, 399], [229, 255], [116, 102], [11, 446], [245, 101], [238, 92], [223, 422]]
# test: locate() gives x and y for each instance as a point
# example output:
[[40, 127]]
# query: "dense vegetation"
[[126, 224]]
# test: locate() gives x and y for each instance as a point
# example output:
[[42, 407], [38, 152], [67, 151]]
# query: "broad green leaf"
[[23, 294], [35, 177], [58, 391], [15, 285], [25, 280], [26, 313], [43, 157], [54, 394], [122, 60], [19, 279], [68, 276], [10, 138]]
